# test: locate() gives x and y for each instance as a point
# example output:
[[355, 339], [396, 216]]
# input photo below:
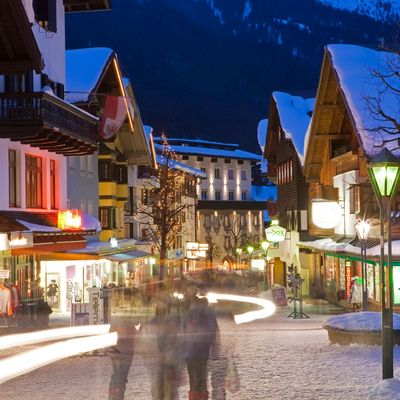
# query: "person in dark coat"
[[199, 328]]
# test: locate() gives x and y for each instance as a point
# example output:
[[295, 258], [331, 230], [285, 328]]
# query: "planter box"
[[343, 337]]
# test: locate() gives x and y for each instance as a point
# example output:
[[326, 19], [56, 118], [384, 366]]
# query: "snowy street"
[[277, 358]]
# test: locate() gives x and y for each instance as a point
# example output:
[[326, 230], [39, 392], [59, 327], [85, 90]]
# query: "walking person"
[[199, 328]]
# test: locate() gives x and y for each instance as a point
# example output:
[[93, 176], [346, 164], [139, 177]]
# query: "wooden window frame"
[[34, 181], [12, 178]]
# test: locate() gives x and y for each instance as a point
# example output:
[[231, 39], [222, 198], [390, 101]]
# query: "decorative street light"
[[264, 248], [384, 173], [238, 254], [362, 228], [250, 250]]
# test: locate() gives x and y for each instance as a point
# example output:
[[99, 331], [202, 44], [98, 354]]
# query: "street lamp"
[[250, 250], [362, 228], [238, 254], [264, 248], [384, 173]]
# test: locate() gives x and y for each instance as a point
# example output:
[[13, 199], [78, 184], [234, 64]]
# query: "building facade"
[[227, 218]]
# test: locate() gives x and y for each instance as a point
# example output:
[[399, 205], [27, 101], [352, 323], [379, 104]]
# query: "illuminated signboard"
[[192, 246], [348, 278], [21, 239], [275, 233], [69, 219], [326, 214], [258, 264]]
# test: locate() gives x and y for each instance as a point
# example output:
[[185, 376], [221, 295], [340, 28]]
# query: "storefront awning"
[[126, 256]]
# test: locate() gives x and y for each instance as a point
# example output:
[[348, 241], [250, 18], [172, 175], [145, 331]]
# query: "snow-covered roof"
[[295, 115], [262, 133], [84, 68], [148, 130], [354, 65], [199, 142], [182, 167], [264, 193], [211, 152]]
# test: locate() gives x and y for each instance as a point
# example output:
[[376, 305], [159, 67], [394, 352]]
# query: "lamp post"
[[250, 250], [384, 173], [362, 228], [264, 248], [238, 254]]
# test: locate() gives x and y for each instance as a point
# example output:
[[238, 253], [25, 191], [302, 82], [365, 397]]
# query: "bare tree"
[[162, 209], [236, 231], [384, 103]]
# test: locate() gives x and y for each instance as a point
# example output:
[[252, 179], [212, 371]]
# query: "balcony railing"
[[45, 120]]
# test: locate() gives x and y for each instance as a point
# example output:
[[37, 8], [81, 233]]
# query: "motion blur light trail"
[[28, 361], [24, 339], [268, 307]]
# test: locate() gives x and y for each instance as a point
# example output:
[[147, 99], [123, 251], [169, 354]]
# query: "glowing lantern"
[[326, 214]]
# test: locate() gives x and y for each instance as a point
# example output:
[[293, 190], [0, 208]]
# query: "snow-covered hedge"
[[360, 321]]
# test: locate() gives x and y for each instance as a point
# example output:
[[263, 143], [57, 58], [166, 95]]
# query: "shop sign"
[[204, 246], [326, 214], [96, 316], [348, 278], [279, 296], [69, 219], [4, 274], [192, 246], [175, 254], [20, 240], [4, 243], [258, 264], [275, 233]]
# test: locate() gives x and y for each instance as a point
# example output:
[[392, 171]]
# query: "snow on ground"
[[361, 321], [277, 359]]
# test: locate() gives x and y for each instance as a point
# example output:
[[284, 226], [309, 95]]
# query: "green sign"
[[396, 284]]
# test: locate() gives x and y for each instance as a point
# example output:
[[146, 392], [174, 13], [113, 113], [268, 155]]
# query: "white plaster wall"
[[343, 182], [52, 47], [224, 185], [22, 149]]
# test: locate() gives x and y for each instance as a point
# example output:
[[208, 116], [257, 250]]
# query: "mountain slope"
[[207, 67]]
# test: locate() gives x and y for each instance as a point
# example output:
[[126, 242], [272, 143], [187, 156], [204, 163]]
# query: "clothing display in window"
[[6, 306]]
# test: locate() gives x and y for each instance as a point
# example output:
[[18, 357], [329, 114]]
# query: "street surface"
[[277, 358]]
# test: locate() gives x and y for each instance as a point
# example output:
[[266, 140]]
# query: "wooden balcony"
[[47, 122], [86, 5], [19, 51]]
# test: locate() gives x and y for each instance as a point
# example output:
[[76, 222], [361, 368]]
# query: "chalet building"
[[227, 217], [341, 140], [289, 117], [140, 225], [39, 130]]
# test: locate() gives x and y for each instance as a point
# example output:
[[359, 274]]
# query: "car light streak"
[[268, 307], [23, 339], [28, 361]]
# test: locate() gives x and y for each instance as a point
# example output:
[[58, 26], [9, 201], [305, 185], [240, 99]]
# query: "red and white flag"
[[114, 116]]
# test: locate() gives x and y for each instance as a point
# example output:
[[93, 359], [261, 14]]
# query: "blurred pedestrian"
[[200, 328]]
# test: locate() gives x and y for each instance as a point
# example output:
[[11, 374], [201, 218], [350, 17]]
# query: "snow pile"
[[386, 389], [181, 167], [376, 9], [360, 321], [295, 115], [211, 152], [262, 133], [354, 66], [247, 10], [84, 68]]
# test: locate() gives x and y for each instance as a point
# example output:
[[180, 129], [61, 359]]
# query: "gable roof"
[[84, 70], [295, 116], [354, 67]]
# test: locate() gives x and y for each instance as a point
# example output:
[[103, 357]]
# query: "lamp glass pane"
[[380, 178], [391, 173]]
